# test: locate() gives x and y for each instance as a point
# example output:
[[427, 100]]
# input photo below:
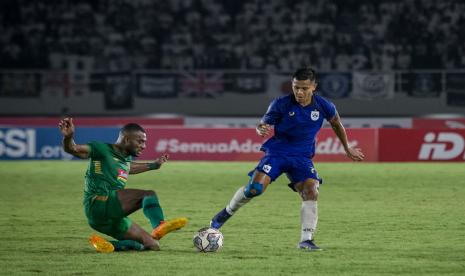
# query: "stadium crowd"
[[249, 34]]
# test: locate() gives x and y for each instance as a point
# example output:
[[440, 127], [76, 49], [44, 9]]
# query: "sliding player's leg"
[[128, 235], [134, 199], [136, 233]]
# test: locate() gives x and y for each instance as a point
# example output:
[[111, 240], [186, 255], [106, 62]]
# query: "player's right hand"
[[263, 129], [162, 159], [66, 127]]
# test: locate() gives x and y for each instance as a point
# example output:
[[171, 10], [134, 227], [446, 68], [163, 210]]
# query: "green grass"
[[403, 219]]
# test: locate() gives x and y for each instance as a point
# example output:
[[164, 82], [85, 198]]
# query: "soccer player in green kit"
[[106, 201]]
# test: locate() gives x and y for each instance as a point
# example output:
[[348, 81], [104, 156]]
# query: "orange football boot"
[[168, 226], [100, 244]]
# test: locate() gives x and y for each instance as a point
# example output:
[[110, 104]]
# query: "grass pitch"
[[403, 219]]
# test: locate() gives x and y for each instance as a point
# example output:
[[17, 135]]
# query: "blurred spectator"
[[250, 34]]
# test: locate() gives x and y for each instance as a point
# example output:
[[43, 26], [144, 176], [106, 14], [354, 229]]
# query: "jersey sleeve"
[[329, 109], [95, 150], [273, 114]]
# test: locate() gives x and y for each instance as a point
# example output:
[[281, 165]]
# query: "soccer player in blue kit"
[[296, 118]]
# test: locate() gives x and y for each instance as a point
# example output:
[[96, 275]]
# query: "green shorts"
[[106, 215]]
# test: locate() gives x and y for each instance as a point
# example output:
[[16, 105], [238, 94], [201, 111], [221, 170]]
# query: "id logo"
[[443, 146]]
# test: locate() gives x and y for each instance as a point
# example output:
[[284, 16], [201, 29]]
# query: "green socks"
[[126, 245], [152, 210]]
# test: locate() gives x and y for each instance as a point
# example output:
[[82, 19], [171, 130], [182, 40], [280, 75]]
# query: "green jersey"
[[108, 170]]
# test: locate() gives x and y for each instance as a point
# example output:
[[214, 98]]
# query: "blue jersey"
[[295, 126]]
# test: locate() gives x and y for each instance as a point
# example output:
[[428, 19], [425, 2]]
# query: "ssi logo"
[[30, 143], [17, 143]]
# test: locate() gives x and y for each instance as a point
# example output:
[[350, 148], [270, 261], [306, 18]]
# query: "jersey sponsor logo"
[[443, 146], [266, 168], [315, 115], [291, 113], [97, 167], [122, 175]]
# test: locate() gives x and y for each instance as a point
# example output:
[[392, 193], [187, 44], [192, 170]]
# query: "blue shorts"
[[297, 168]]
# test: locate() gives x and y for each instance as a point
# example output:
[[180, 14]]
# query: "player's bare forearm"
[[355, 154], [142, 167], [66, 127], [340, 131], [137, 167], [79, 151], [68, 144]]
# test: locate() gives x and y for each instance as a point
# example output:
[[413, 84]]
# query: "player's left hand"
[[355, 154]]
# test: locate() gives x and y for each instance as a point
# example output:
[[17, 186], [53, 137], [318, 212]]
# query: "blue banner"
[[334, 85], [45, 143], [422, 85]]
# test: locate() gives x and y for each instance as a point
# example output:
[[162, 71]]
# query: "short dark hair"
[[306, 73], [132, 127]]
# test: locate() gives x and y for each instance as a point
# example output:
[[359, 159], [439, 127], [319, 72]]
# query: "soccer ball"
[[208, 240]]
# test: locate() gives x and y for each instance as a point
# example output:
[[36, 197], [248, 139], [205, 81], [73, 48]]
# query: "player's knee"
[[311, 193], [253, 189]]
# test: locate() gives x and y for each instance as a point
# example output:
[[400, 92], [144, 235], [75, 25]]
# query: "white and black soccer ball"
[[208, 240]]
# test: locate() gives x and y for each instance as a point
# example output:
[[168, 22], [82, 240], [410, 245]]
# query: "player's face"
[[136, 143], [303, 90]]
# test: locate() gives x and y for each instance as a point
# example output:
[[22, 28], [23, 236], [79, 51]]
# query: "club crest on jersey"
[[315, 115], [266, 168], [291, 113], [122, 175]]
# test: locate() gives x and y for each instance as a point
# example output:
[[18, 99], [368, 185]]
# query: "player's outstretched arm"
[[355, 154], [67, 130], [137, 167]]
